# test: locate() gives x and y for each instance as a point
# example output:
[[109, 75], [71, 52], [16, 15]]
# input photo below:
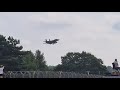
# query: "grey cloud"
[[50, 25], [116, 26]]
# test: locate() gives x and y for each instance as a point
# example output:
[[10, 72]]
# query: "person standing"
[[1, 71], [115, 64]]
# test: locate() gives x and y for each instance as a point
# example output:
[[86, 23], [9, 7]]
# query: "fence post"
[[33, 74], [22, 74], [60, 74], [88, 72]]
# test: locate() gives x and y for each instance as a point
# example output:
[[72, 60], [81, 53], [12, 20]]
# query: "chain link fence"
[[48, 74]]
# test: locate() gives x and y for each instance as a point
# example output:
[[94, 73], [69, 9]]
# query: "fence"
[[47, 74]]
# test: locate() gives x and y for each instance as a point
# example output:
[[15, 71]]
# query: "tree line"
[[14, 58]]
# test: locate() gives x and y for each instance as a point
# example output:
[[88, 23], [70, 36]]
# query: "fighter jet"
[[51, 41]]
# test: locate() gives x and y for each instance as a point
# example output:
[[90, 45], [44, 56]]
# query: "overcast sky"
[[94, 32]]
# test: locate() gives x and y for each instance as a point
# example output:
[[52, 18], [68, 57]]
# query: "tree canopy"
[[14, 58], [34, 62], [40, 60], [80, 62], [10, 52]]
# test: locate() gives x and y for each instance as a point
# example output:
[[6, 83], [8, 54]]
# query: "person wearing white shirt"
[[116, 65], [1, 71]]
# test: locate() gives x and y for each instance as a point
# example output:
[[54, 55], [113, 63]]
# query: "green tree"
[[40, 60], [29, 63], [10, 53], [80, 62], [34, 62], [51, 68]]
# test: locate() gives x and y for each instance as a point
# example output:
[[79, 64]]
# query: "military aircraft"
[[51, 41]]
